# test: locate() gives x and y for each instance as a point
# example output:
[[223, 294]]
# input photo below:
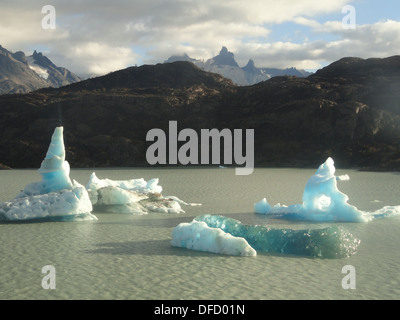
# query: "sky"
[[95, 37]]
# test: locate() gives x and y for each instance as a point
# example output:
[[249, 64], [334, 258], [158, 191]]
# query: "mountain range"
[[225, 64], [20, 73], [348, 110]]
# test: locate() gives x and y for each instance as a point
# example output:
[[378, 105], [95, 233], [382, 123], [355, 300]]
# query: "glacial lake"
[[123, 256]]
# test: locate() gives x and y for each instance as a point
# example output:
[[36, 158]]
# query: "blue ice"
[[330, 242], [322, 201]]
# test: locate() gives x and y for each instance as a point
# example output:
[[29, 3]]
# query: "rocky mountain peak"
[[251, 68], [225, 57], [20, 73], [20, 56], [42, 60]]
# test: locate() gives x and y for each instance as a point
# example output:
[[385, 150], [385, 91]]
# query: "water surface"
[[124, 256]]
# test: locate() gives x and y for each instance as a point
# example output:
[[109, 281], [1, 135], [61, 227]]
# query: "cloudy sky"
[[99, 36]]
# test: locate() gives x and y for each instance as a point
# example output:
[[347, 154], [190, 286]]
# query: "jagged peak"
[[37, 54], [250, 63], [251, 68], [224, 50], [225, 57]]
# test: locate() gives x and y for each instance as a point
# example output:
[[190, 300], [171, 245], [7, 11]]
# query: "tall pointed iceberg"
[[53, 197], [54, 169]]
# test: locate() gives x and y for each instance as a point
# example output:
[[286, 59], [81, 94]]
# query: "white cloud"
[[21, 26], [99, 36], [380, 39], [96, 58]]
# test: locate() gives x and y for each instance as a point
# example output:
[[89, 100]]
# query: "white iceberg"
[[64, 204], [56, 196], [322, 201], [197, 235], [135, 196]]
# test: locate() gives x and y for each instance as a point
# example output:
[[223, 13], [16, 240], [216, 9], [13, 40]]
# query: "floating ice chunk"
[[139, 185], [152, 186], [197, 235], [344, 177], [135, 196], [386, 211], [331, 242], [182, 202], [262, 206], [322, 201], [53, 197], [115, 195], [72, 204]]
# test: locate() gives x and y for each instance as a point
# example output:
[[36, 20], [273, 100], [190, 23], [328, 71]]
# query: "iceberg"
[[55, 196], [135, 196], [330, 243], [54, 169], [197, 235], [322, 201]]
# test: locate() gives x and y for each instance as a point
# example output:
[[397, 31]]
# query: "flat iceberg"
[[56, 196], [135, 196], [329, 243], [64, 204], [322, 201], [197, 235]]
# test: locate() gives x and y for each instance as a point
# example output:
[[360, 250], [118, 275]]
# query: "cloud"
[[99, 36], [20, 26], [96, 58], [380, 39]]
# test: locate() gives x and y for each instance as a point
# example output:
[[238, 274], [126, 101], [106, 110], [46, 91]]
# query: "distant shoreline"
[[199, 167]]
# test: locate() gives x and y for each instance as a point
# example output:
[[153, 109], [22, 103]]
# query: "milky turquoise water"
[[130, 257]]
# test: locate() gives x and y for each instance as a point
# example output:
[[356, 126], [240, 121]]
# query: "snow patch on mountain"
[[42, 72]]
